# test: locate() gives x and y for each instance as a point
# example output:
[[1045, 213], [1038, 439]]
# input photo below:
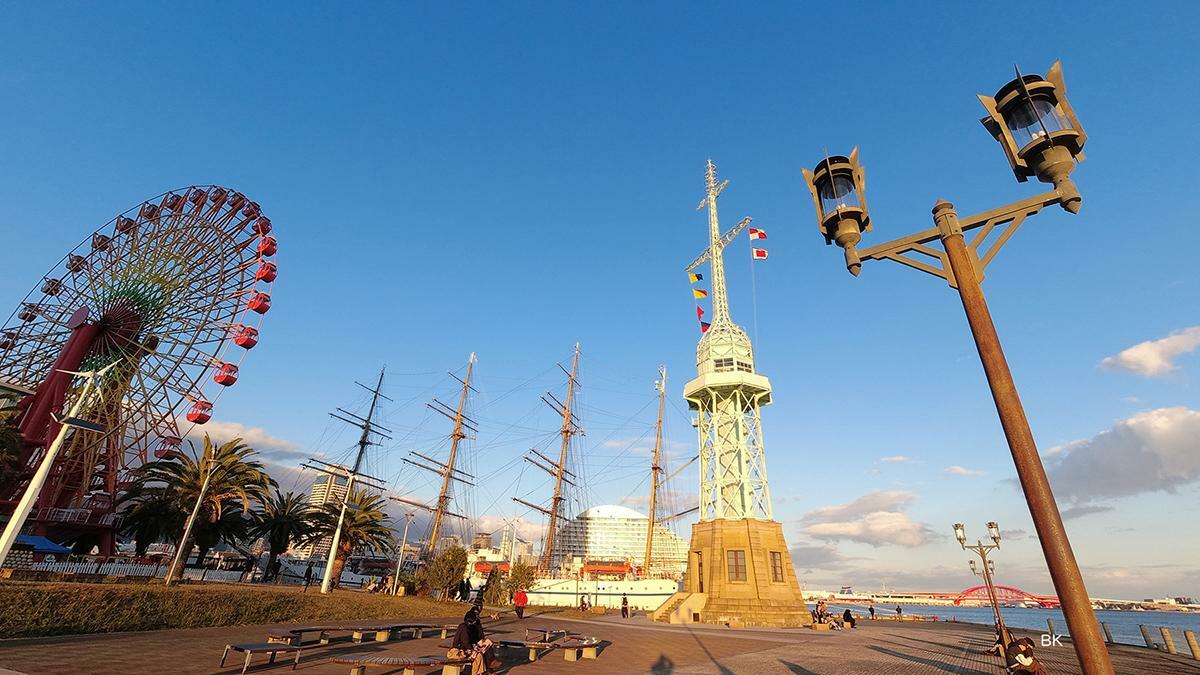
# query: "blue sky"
[[512, 179]]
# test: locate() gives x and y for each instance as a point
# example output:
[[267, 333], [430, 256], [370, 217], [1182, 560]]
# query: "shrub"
[[40, 609]]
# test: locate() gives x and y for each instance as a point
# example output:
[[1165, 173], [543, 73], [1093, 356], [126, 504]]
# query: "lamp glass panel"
[[838, 193], [1028, 117]]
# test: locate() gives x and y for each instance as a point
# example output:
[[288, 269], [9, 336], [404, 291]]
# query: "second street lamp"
[[1041, 136], [982, 550]]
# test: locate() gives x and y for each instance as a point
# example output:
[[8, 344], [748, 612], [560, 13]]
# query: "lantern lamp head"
[[994, 532], [838, 185], [1037, 128], [973, 569], [960, 533]]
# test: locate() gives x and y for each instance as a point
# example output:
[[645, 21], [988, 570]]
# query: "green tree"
[[236, 481], [520, 576], [150, 519], [282, 520], [365, 528], [449, 567]]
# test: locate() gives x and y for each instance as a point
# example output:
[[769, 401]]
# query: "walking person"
[[899, 613], [624, 606], [871, 609], [307, 577], [520, 600]]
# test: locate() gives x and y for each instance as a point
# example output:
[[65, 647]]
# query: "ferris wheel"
[[174, 291]]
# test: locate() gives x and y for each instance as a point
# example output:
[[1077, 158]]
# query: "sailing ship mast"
[[557, 469], [655, 469], [447, 469], [369, 426]]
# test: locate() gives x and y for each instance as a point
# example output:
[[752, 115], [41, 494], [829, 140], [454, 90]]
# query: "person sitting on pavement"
[[848, 618]]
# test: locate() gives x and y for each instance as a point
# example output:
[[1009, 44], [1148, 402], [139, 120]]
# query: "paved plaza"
[[632, 646]]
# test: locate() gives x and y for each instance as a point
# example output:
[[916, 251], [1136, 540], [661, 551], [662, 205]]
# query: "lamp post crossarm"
[[1010, 216]]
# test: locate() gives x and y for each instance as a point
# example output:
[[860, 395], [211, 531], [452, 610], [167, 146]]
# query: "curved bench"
[[358, 664]]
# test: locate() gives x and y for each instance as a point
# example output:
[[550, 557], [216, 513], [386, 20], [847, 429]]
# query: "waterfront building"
[[327, 489], [617, 534]]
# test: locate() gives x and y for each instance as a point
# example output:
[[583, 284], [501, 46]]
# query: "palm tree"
[[365, 528], [233, 478], [282, 521], [151, 518]]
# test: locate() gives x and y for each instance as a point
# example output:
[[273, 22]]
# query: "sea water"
[[1123, 624]]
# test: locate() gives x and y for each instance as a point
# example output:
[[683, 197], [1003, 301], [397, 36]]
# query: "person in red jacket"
[[520, 600]]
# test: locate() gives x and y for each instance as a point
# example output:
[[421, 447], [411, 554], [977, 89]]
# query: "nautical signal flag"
[[758, 253], [704, 326], [699, 293], [695, 277], [699, 313], [757, 234]]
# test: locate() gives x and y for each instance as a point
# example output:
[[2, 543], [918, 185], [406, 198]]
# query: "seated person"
[[469, 642]]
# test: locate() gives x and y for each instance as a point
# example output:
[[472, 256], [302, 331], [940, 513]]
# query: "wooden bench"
[[271, 648], [383, 632], [547, 634], [358, 664], [534, 646], [573, 648]]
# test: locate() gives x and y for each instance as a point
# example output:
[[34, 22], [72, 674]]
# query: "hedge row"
[[40, 609]]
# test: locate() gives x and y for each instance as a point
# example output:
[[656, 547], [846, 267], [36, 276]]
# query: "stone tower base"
[[745, 572]]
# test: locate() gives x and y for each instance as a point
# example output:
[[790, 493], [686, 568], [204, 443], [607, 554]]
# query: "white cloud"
[[255, 437], [1155, 357], [895, 459], [1081, 511], [526, 530], [957, 470], [1155, 450], [875, 518]]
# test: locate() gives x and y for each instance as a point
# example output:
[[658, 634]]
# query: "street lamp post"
[[66, 423], [408, 518], [1041, 137], [180, 560], [982, 550]]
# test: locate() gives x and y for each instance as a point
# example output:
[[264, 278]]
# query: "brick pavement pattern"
[[633, 646]]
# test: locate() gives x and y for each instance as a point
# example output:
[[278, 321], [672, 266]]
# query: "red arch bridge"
[[1006, 595]]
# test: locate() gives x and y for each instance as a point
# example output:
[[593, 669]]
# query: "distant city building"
[[481, 540], [614, 533], [327, 489]]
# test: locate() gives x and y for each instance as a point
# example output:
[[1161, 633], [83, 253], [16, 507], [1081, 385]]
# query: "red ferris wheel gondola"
[[227, 374], [267, 246], [200, 413], [267, 272], [245, 336]]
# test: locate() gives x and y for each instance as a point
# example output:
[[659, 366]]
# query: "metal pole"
[[184, 546], [1192, 644], [1168, 641], [1064, 570], [25, 506], [408, 518], [987, 580], [327, 581]]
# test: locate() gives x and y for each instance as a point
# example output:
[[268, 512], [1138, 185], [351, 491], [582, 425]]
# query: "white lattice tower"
[[727, 394]]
